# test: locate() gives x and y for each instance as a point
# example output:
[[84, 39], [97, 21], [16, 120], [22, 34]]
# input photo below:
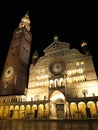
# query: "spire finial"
[[84, 47], [25, 22], [55, 37]]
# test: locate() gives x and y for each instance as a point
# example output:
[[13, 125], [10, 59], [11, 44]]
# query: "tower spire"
[[84, 47], [35, 57], [25, 22]]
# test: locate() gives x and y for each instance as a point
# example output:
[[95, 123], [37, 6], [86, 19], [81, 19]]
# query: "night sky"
[[71, 21]]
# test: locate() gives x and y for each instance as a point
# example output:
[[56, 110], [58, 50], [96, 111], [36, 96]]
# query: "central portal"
[[57, 105], [60, 111]]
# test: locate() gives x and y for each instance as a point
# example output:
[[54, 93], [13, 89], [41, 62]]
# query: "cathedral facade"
[[61, 84]]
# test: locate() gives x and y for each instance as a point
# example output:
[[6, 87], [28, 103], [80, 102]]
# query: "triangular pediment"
[[56, 45], [61, 49]]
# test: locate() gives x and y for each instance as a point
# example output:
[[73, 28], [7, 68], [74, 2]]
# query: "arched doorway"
[[82, 110], [92, 109], [22, 112], [57, 105]]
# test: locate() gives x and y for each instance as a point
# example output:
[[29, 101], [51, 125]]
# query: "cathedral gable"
[[62, 49], [59, 49], [56, 45]]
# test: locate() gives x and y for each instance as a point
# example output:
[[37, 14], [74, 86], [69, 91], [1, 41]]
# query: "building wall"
[[62, 84]]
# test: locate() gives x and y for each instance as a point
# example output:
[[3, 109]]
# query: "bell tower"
[[15, 72]]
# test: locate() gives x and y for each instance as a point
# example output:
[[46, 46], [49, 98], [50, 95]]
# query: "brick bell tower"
[[15, 72]]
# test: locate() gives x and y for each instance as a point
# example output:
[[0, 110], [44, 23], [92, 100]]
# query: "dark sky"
[[71, 21]]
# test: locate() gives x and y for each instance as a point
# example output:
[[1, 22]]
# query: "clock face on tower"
[[57, 67], [9, 72]]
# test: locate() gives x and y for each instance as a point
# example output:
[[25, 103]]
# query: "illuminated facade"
[[62, 84]]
